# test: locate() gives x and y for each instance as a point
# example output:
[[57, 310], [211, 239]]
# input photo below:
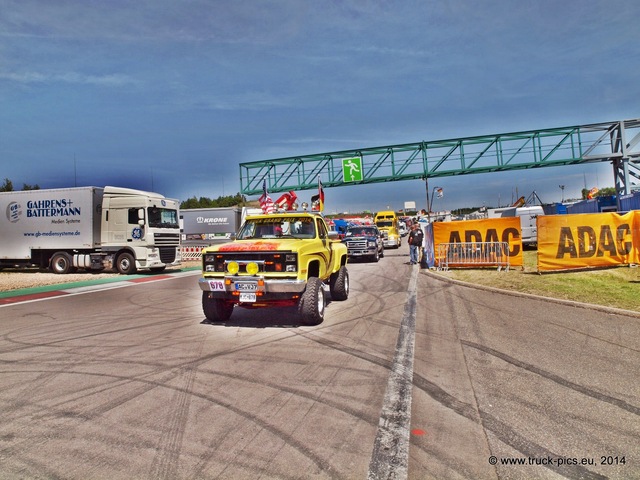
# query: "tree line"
[[7, 186], [220, 202]]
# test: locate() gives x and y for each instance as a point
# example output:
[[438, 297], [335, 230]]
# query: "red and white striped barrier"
[[191, 253]]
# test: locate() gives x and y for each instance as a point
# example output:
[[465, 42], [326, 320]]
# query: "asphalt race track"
[[412, 377]]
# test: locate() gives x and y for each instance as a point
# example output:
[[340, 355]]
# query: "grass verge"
[[617, 287]]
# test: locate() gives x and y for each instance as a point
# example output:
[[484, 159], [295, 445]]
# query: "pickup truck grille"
[[166, 239], [357, 244], [268, 262]]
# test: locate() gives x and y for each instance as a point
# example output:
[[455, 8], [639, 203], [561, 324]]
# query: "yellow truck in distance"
[[388, 223]]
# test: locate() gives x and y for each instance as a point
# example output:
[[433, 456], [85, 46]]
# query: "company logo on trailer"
[[52, 208], [14, 212], [212, 220]]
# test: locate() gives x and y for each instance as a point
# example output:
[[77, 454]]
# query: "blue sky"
[[172, 95]]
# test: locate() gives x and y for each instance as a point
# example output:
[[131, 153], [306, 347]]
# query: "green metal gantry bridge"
[[615, 142]]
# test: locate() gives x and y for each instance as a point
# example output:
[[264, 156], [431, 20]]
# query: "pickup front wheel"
[[312, 302], [215, 309]]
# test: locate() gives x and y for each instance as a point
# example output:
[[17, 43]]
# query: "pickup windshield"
[[361, 232], [276, 227], [384, 223]]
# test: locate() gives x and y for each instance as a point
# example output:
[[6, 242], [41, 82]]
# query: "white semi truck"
[[93, 228]]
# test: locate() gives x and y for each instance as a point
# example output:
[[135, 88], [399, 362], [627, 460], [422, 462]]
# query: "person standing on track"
[[415, 243]]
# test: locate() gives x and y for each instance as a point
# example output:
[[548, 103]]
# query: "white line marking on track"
[[390, 457]]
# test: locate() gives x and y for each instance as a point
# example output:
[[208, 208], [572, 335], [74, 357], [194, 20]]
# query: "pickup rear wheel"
[[215, 309], [339, 284], [312, 302]]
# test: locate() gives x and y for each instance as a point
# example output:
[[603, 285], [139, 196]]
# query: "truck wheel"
[[215, 309], [376, 256], [339, 284], [312, 302], [61, 263], [126, 264]]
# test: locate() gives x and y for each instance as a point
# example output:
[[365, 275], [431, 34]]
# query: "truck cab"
[[143, 227], [387, 223]]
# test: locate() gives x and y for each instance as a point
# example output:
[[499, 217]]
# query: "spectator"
[[415, 243]]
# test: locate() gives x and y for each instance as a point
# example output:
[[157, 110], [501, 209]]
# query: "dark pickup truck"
[[364, 241]]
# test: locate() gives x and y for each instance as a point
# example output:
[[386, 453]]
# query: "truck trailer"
[[204, 226], [93, 228], [528, 220]]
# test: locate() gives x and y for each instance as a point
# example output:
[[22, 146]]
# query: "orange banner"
[[567, 242], [504, 229]]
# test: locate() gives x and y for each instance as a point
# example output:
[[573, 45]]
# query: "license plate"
[[246, 286], [247, 297]]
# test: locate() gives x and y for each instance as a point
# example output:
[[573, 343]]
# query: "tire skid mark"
[[23, 345], [543, 320], [505, 433], [328, 401], [501, 430], [148, 384], [166, 461], [509, 436], [555, 378], [37, 385]]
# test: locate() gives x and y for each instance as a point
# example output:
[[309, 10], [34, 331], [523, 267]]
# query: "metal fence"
[[473, 254]]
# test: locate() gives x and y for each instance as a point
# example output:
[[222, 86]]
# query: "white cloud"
[[112, 80]]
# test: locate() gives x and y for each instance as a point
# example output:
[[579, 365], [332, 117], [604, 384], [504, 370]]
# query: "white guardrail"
[[473, 254]]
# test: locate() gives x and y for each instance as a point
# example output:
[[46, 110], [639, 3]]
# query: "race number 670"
[[216, 285]]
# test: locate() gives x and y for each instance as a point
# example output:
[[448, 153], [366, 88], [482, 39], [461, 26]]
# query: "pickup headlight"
[[252, 268]]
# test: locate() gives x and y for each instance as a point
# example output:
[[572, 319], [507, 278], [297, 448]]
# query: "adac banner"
[[568, 242], [503, 229]]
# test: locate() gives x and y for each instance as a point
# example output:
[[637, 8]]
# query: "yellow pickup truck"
[[279, 259]]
